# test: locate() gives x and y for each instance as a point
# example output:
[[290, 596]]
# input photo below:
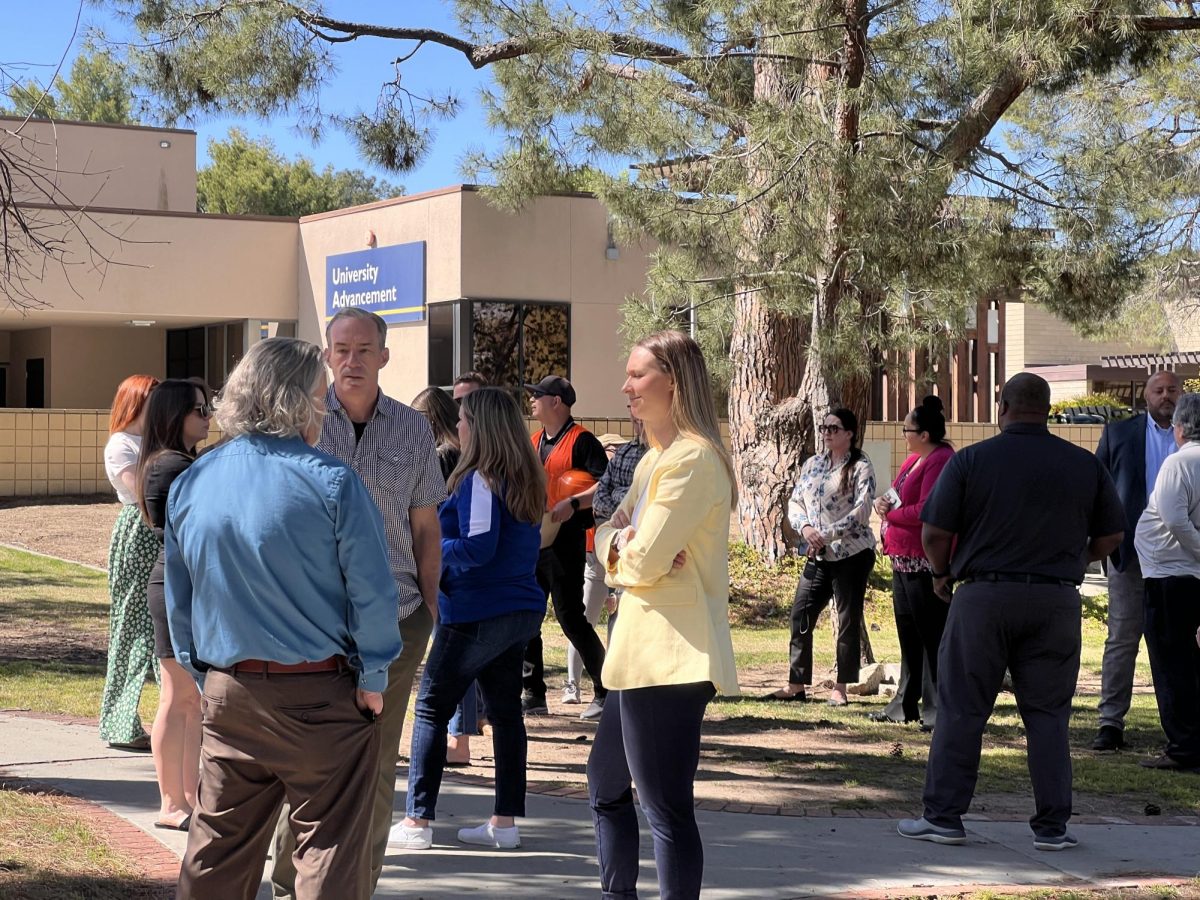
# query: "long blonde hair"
[[693, 410], [500, 450]]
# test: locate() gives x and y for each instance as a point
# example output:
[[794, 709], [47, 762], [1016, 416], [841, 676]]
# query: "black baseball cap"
[[554, 386]]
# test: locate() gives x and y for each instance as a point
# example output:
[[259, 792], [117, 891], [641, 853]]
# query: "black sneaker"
[[534, 706], [1108, 738], [1064, 841]]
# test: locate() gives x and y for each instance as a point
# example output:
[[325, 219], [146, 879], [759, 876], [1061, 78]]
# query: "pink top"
[[902, 536]]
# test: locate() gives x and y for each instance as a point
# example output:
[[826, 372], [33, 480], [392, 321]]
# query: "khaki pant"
[[414, 633], [267, 737]]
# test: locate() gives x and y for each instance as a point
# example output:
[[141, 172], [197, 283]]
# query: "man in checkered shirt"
[[391, 447]]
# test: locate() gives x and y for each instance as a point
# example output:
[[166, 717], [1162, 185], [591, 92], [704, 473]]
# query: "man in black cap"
[[563, 444]]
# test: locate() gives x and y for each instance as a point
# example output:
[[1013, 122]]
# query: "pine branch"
[[1167, 23]]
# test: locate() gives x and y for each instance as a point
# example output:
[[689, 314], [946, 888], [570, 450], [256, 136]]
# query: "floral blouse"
[[842, 518]]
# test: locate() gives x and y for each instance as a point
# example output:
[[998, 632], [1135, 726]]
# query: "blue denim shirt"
[[276, 551]]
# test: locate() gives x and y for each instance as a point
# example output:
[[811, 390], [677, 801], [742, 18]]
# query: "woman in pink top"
[[920, 614]]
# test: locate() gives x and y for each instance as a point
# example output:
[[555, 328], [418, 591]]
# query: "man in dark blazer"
[[1132, 450]]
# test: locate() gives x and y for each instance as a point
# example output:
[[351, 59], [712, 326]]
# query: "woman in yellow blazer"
[[667, 548]]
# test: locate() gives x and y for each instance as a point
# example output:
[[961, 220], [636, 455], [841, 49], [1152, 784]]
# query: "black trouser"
[[1172, 617], [650, 736], [844, 580], [560, 574], [920, 621], [1034, 631]]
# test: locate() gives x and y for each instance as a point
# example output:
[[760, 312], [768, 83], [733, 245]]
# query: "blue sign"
[[388, 281]]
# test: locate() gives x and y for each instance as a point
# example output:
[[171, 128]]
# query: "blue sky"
[[37, 34]]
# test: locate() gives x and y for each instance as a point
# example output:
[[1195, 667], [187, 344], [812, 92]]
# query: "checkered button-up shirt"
[[397, 461], [614, 483]]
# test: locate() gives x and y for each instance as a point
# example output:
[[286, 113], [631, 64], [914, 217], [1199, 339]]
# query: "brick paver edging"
[[154, 860]]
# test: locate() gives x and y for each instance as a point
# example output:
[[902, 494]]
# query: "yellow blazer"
[[673, 626]]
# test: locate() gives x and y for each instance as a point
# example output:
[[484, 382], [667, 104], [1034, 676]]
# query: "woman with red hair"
[[131, 556]]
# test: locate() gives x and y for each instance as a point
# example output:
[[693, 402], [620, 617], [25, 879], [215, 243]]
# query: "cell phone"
[[892, 498]]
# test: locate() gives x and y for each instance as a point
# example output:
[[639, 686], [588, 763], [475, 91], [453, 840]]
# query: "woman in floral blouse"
[[831, 511]]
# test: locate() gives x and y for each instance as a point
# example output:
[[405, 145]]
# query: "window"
[[509, 342]]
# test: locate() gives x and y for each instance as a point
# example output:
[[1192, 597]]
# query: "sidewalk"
[[747, 856]]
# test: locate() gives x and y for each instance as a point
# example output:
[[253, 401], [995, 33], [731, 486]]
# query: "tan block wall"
[[962, 434], [91, 362], [48, 452], [60, 451]]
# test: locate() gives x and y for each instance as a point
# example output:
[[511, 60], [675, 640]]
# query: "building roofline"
[[166, 213], [428, 195], [152, 128]]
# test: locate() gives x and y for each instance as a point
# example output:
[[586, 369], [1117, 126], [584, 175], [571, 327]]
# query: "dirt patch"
[[74, 528]]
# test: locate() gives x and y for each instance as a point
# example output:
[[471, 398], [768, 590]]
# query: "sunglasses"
[[205, 410], [911, 430], [829, 429]]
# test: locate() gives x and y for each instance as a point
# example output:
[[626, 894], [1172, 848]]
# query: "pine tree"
[[828, 180]]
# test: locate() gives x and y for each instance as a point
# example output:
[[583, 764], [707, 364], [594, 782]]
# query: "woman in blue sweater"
[[489, 607]]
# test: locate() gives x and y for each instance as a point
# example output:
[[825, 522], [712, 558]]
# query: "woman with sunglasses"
[[177, 418], [830, 509], [920, 614]]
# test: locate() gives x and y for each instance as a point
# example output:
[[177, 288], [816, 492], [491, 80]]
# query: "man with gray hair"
[[282, 605], [1133, 451], [1168, 544], [1028, 511], [390, 446]]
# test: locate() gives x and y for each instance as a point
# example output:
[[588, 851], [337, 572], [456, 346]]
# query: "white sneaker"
[[571, 692], [406, 837], [594, 710], [488, 835]]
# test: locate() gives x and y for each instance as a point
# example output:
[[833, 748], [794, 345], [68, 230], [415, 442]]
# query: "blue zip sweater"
[[489, 558]]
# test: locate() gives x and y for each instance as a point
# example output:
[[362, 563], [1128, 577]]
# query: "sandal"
[[182, 826]]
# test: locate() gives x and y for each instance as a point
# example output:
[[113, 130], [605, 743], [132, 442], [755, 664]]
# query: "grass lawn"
[[53, 634], [50, 851]]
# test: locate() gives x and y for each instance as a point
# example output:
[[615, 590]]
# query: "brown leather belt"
[[266, 667]]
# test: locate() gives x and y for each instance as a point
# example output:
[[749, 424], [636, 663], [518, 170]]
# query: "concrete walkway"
[[747, 856]]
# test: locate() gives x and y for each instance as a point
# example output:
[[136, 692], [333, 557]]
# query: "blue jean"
[[650, 736], [490, 651], [466, 714]]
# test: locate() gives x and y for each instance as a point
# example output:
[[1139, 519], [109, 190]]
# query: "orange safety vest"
[[560, 461]]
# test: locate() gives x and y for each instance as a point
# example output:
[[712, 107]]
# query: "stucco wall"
[[91, 362], [1045, 340], [175, 269], [556, 250], [434, 218], [108, 166]]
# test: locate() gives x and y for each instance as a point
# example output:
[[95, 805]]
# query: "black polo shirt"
[[1024, 502]]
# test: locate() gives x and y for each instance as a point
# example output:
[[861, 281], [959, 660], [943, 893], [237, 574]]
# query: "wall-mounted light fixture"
[[141, 323], [166, 145], [610, 251], [372, 241]]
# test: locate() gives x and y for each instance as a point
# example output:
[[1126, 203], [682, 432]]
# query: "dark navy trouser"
[[649, 736]]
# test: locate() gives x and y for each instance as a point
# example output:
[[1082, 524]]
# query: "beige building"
[[149, 285]]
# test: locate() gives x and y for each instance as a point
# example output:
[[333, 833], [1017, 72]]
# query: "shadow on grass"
[[17, 880]]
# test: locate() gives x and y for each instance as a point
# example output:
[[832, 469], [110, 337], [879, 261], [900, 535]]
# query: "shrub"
[[1192, 385], [1087, 400]]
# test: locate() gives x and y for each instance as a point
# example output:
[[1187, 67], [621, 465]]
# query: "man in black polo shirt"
[[1029, 511]]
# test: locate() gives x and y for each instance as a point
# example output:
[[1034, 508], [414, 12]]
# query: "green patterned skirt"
[[131, 556]]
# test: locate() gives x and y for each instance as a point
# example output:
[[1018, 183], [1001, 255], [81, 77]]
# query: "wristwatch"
[[945, 574], [575, 504]]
